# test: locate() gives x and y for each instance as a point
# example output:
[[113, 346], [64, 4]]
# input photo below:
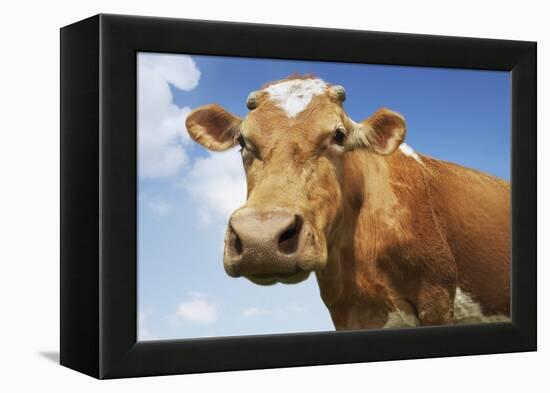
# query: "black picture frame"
[[98, 196]]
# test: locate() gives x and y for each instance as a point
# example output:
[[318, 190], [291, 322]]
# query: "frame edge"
[[524, 196], [121, 356], [79, 193]]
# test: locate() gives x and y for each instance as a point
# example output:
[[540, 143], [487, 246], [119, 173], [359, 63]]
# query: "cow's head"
[[293, 143]]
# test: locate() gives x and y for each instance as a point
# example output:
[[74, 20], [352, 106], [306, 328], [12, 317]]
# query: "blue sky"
[[186, 193]]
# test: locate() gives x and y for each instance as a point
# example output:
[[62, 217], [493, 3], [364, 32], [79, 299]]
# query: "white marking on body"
[[293, 96], [409, 151], [399, 319], [467, 310]]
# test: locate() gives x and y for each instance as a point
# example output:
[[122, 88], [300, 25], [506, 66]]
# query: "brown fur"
[[389, 233]]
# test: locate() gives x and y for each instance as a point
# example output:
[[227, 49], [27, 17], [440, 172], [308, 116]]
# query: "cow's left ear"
[[383, 132]]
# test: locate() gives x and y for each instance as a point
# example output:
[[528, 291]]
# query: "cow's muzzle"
[[267, 246]]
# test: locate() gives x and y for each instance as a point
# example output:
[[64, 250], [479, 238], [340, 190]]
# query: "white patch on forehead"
[[293, 96], [409, 151], [467, 310]]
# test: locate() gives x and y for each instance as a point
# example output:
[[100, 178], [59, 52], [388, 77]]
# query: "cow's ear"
[[383, 132], [213, 127]]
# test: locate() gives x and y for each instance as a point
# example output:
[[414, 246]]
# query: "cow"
[[395, 238]]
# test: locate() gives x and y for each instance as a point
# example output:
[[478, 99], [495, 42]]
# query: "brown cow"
[[395, 238]]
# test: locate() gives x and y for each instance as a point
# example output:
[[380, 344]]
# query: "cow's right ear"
[[383, 132], [213, 127]]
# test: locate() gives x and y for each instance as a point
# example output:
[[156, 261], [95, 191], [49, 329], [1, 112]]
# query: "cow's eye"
[[339, 137], [241, 141]]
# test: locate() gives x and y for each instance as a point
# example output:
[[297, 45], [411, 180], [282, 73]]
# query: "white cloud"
[[161, 123], [197, 309], [253, 312], [298, 309], [281, 313], [143, 332], [145, 335], [218, 184], [159, 207]]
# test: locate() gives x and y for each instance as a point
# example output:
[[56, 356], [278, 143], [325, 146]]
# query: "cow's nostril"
[[235, 246], [289, 239]]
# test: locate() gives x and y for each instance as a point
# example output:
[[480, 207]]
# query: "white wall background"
[[29, 193]]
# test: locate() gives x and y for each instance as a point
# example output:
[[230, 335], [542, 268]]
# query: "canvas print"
[[282, 196]]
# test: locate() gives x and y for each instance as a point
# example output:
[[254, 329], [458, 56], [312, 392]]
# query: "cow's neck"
[[356, 291]]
